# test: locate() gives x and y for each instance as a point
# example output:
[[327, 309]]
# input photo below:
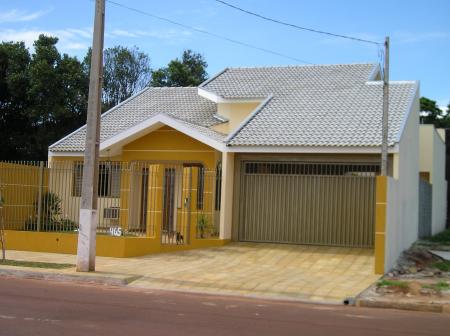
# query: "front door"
[[169, 201], [144, 200]]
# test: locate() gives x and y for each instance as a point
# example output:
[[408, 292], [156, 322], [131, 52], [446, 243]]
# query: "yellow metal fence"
[[172, 202]]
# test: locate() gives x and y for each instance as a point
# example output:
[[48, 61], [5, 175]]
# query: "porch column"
[[226, 200]]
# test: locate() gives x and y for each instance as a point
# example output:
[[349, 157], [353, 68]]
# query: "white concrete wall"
[[403, 192], [439, 205], [432, 161]]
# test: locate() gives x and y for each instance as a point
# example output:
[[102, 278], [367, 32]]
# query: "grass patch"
[[35, 264], [392, 283], [443, 266], [441, 238], [440, 286]]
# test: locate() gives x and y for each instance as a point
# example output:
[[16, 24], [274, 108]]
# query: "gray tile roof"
[[183, 104], [332, 105], [324, 105]]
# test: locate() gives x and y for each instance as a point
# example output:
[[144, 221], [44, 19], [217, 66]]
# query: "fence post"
[[41, 186]]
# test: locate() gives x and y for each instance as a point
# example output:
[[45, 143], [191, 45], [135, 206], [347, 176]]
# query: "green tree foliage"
[[14, 81], [189, 71], [43, 94], [126, 71], [432, 114], [43, 97]]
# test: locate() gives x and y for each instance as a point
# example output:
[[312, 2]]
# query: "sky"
[[419, 32]]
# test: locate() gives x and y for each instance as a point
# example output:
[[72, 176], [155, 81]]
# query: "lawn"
[[35, 264]]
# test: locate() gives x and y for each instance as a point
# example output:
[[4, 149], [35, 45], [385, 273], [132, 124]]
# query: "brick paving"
[[309, 273]]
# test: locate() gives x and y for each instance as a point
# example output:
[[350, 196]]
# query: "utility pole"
[[385, 118], [89, 193]]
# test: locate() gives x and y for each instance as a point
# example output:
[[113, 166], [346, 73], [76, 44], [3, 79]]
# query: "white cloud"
[[169, 34], [122, 33], [15, 15], [69, 39], [443, 103], [72, 40]]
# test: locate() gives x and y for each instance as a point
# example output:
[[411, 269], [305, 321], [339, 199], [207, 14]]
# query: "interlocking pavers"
[[265, 270]]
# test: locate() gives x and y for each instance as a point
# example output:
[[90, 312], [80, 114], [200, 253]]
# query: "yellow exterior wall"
[[107, 246], [157, 150], [61, 182], [235, 113], [380, 224], [167, 144], [172, 147], [19, 202]]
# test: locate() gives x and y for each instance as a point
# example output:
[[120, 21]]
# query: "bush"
[[50, 215]]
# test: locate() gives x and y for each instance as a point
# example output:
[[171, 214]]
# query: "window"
[[77, 179], [200, 187], [218, 197], [200, 182], [108, 179]]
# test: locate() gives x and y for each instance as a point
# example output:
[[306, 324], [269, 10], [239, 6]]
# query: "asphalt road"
[[37, 307]]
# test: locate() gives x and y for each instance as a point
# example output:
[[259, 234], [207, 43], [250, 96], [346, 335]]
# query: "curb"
[[431, 307], [110, 279]]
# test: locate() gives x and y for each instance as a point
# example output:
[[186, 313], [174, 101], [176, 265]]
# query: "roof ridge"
[[171, 87], [296, 66]]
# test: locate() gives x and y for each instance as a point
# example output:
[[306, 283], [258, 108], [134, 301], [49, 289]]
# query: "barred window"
[[108, 179], [200, 187], [218, 197], [77, 179], [200, 183]]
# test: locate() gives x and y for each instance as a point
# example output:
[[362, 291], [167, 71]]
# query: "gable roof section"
[[302, 107], [181, 104], [331, 105]]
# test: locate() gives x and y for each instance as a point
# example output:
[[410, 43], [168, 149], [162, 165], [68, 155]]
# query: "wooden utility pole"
[[89, 192], [385, 118]]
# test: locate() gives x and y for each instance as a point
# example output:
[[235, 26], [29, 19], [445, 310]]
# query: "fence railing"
[[174, 202]]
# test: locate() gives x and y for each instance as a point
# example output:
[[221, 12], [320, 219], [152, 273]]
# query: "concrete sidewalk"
[[303, 273]]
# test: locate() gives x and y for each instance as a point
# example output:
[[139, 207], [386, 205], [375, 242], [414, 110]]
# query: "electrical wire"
[[296, 26], [205, 32]]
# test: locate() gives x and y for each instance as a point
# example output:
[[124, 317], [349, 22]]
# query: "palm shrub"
[[51, 211], [202, 225]]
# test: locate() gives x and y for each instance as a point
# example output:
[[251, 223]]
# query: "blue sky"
[[419, 31]]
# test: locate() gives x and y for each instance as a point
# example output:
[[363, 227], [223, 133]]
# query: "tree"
[[126, 71], [189, 71], [43, 97], [58, 95], [14, 82], [430, 113]]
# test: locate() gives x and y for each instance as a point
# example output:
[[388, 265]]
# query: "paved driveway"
[[313, 273]]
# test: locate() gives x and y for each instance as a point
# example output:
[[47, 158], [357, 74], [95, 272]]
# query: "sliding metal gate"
[[308, 203]]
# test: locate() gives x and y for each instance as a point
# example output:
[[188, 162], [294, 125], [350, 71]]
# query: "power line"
[[245, 44], [294, 25]]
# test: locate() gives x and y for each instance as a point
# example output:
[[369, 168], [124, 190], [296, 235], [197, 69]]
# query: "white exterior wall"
[[439, 205], [403, 191], [432, 160]]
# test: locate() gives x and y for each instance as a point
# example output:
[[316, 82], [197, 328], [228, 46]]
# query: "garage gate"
[[308, 203]]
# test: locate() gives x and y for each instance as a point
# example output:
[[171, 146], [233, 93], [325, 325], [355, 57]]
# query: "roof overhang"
[[151, 124], [219, 99], [312, 149], [113, 145]]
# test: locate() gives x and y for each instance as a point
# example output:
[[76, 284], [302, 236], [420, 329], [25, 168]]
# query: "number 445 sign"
[[116, 231]]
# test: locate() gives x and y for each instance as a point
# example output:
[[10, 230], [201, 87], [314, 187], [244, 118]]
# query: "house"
[[263, 154]]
